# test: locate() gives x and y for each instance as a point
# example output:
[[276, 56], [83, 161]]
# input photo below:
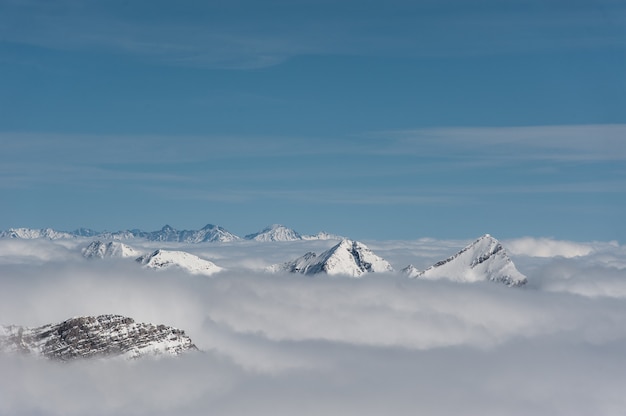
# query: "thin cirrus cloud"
[[245, 35], [567, 143], [599, 142]]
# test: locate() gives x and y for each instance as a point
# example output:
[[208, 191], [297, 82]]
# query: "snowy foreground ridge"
[[100, 336]]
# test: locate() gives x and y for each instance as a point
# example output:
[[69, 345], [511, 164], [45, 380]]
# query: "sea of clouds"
[[285, 344]]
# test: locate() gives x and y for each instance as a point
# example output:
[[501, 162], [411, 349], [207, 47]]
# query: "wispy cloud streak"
[[249, 37]]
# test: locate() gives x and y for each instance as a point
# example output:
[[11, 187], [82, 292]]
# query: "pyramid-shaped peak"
[[275, 232], [99, 249], [348, 258], [483, 259]]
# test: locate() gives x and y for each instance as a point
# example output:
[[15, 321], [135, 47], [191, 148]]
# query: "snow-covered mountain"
[[322, 235], [163, 259], [34, 233], [99, 249], [350, 258], [484, 259], [209, 233], [275, 232], [100, 336]]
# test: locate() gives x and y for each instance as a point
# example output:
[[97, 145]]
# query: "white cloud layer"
[[283, 344], [546, 247]]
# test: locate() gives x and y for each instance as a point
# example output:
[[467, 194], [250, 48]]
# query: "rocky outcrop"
[[99, 336]]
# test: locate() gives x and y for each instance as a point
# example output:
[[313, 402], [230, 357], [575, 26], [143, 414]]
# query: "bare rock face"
[[100, 336]]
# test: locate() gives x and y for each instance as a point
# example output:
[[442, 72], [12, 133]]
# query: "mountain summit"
[[163, 259], [484, 259], [350, 258], [275, 232], [100, 250]]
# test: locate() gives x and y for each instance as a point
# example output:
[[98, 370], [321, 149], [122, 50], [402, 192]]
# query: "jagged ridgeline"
[[209, 233], [95, 336]]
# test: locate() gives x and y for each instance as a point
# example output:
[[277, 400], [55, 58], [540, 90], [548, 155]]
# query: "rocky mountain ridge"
[[95, 336], [209, 233]]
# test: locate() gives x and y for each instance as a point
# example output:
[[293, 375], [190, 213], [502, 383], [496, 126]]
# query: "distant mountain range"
[[484, 259], [208, 233], [99, 336]]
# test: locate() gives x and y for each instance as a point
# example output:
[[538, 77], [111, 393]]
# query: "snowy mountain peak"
[[348, 257], [163, 259], [275, 232], [484, 259], [99, 249], [213, 233], [209, 233], [99, 336]]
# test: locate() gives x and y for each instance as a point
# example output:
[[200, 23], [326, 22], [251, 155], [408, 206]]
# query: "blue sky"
[[371, 119]]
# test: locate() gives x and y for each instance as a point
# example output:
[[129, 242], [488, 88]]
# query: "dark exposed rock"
[[100, 336]]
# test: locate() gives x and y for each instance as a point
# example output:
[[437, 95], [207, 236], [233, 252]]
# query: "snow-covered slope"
[[99, 249], [484, 259], [275, 232], [350, 258], [162, 259], [100, 336]]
